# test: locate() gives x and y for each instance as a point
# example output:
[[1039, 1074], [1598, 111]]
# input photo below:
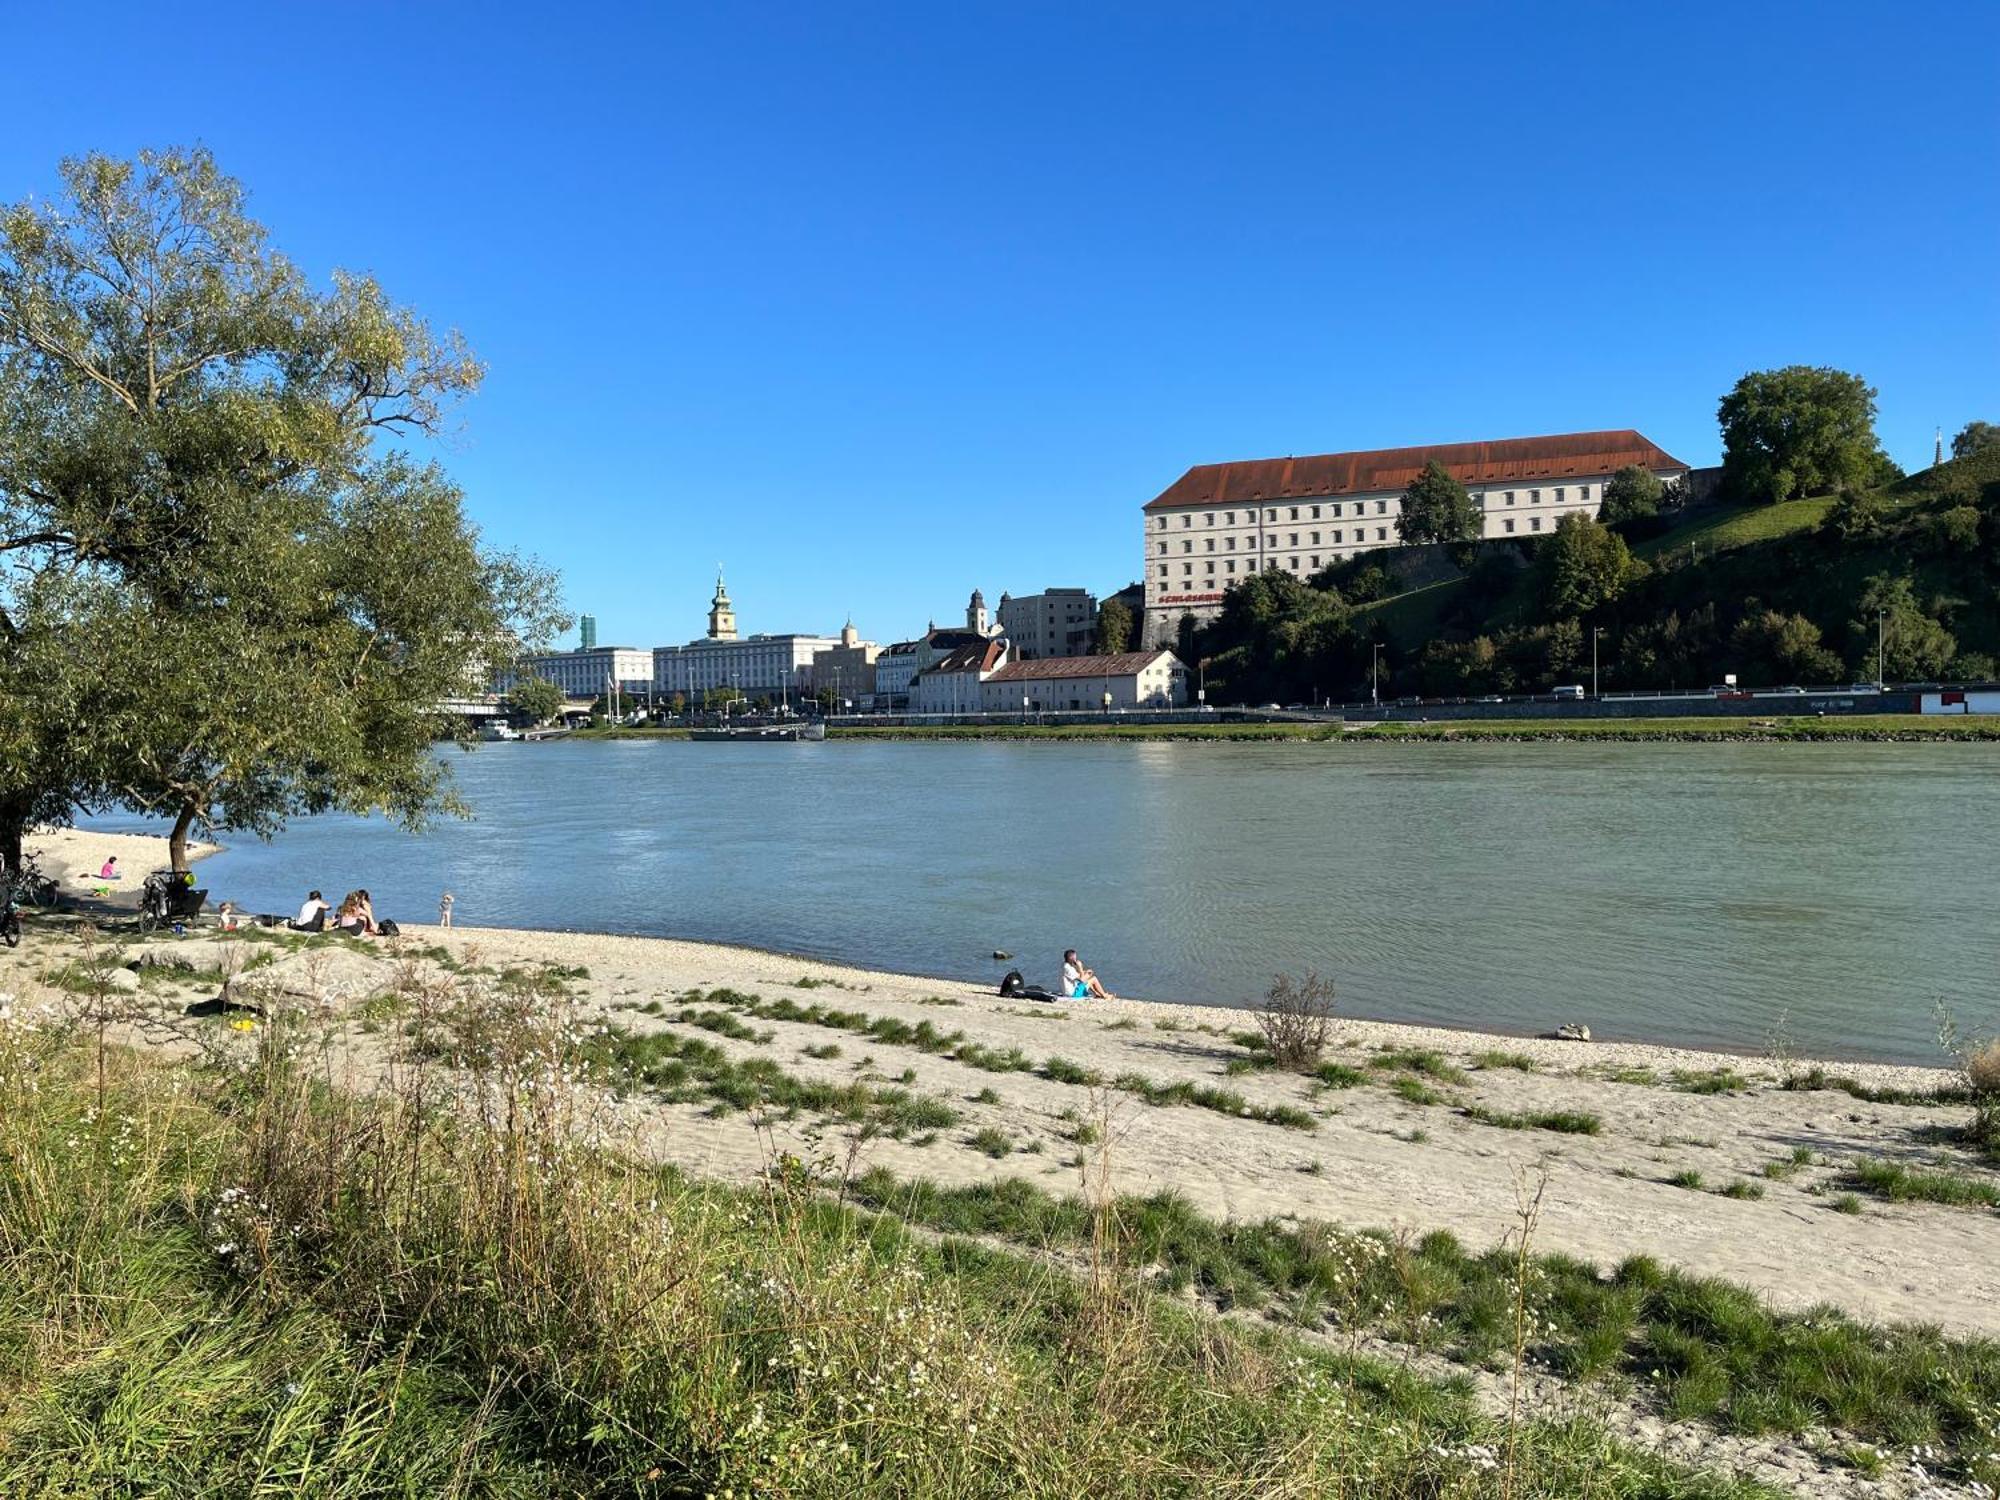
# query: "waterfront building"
[[1055, 622], [586, 632], [1129, 680], [951, 685], [589, 671], [1219, 523], [848, 668], [757, 665]]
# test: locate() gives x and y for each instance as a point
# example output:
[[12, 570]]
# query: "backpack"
[[1012, 985], [388, 928]]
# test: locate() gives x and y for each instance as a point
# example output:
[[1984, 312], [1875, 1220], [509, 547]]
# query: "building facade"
[[1219, 523], [589, 673], [1068, 684], [1055, 622], [756, 666], [848, 669], [951, 685]]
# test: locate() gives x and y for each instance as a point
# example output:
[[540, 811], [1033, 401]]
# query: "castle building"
[[1219, 523]]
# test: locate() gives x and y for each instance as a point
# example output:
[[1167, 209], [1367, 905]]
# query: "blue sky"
[[875, 303]]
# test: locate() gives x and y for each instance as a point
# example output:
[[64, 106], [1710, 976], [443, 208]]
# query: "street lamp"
[[1374, 663], [1595, 632], [1881, 641], [1107, 702]]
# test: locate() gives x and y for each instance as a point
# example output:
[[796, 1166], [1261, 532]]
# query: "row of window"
[[1507, 497]]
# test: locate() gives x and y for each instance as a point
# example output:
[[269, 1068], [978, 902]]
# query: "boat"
[[494, 733], [806, 731]]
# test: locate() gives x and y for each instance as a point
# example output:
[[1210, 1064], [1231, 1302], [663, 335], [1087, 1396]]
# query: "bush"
[[1295, 1020]]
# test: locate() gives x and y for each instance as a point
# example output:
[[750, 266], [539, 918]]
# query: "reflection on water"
[[1702, 894]]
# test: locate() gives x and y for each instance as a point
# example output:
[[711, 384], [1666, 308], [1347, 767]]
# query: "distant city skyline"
[[880, 305]]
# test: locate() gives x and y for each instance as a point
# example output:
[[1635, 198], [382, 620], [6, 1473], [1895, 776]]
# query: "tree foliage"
[[1436, 508], [1114, 627], [191, 440], [1631, 494], [1801, 430], [1975, 437], [1583, 567], [1915, 646], [535, 699]]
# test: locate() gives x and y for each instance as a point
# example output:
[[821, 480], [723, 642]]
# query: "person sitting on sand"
[[1078, 982], [312, 916], [354, 919], [110, 870]]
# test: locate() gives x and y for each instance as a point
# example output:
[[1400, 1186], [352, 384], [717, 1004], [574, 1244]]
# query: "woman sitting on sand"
[[355, 919], [1078, 982]]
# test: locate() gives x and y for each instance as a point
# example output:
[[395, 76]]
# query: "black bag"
[[1012, 985], [386, 928]]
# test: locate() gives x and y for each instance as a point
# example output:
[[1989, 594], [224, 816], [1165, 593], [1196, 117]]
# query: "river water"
[[1705, 895]]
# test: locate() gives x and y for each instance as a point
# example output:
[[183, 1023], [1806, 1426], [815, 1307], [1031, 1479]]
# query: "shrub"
[[1295, 1019], [991, 1142]]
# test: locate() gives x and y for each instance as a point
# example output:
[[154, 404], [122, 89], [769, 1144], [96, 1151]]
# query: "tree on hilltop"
[[1975, 437], [1583, 567], [1631, 494], [190, 439], [1436, 508], [1802, 430]]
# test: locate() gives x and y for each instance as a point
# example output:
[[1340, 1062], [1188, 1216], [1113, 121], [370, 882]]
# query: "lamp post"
[[1024, 708], [1374, 664], [1595, 632], [1881, 641]]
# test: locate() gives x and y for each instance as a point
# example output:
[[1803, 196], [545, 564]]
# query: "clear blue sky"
[[876, 303]]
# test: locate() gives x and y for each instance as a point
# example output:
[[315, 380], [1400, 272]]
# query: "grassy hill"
[[1779, 593]]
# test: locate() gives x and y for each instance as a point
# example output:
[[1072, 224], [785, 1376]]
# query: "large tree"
[[1114, 627], [1436, 508], [1975, 437], [535, 698], [187, 423], [1583, 567], [1631, 494], [1802, 430]]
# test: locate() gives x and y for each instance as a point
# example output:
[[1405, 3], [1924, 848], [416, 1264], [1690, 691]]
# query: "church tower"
[[975, 614], [721, 616]]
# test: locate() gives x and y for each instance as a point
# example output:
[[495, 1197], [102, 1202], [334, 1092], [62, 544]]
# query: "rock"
[[1569, 1031], [321, 973], [122, 980], [1002, 954]]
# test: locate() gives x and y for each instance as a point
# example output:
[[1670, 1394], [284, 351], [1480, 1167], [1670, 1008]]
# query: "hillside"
[[1775, 594]]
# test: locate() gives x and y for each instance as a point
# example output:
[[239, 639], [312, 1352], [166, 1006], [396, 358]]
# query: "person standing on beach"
[[1078, 982]]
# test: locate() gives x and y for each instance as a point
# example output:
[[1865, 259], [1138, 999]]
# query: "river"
[[1710, 895]]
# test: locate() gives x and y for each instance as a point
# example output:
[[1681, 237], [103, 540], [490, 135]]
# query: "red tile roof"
[[979, 656], [1124, 664], [1393, 468]]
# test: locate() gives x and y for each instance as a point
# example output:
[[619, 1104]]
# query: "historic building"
[[1055, 622], [588, 673], [1219, 523], [757, 665], [848, 668], [982, 677]]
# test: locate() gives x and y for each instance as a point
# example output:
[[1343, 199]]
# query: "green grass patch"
[[1901, 1184], [1520, 1062], [1421, 1061], [1562, 1121]]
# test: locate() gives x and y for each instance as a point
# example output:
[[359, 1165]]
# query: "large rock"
[[334, 973]]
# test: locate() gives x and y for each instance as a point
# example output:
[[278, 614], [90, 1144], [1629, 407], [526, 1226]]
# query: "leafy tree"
[[1583, 567], [716, 697], [535, 699], [1436, 508], [1802, 430], [1114, 627], [1915, 647], [1975, 437], [186, 422], [1771, 647], [1631, 494], [1859, 516]]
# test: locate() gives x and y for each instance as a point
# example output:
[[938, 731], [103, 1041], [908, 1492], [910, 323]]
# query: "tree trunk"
[[13, 827], [177, 842]]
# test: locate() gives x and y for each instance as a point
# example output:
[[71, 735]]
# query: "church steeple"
[[721, 615]]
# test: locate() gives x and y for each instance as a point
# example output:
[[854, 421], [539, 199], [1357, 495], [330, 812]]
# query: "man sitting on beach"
[[312, 916], [1078, 982]]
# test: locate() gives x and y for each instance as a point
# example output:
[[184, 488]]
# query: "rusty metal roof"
[[1556, 457], [1123, 664], [977, 657]]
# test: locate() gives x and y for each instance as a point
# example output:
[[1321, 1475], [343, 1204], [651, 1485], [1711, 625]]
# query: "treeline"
[[1782, 593]]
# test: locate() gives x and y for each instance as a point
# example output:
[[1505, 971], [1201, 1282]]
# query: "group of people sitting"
[[355, 916]]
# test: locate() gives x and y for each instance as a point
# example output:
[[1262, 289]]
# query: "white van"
[[1572, 693]]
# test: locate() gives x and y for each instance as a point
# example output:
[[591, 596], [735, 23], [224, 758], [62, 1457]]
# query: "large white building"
[[588, 673], [1219, 523], [982, 678], [758, 665]]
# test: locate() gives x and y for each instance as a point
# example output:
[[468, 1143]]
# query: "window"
[[1292, 539], [1583, 492], [1381, 533], [1187, 546], [1509, 525], [1271, 539], [1534, 497], [1229, 543], [1559, 495], [1163, 549], [1510, 497], [1292, 563], [1315, 512], [1381, 507], [1315, 538], [1229, 518], [1208, 518], [1163, 570], [1295, 512], [1209, 568], [1186, 569], [1270, 515], [1336, 539], [1229, 566], [1534, 523], [1187, 521], [1315, 561], [1161, 522], [1209, 544]]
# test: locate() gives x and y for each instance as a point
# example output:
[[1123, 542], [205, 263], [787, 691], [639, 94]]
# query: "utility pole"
[[1374, 663], [1595, 632], [1881, 639]]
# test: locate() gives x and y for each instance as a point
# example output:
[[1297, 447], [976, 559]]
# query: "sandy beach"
[[1675, 1128]]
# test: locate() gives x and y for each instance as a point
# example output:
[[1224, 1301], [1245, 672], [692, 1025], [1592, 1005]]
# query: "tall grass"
[[247, 1272]]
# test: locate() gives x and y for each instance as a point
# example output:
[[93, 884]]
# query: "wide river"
[[1706, 895]]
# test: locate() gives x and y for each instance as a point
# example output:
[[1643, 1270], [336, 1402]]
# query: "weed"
[[1687, 1177], [991, 1142], [1519, 1061], [1563, 1121]]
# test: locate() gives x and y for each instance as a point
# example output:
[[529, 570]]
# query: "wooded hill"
[[1786, 593]]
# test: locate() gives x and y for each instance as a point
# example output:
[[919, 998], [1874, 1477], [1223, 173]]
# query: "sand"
[[1372, 1160], [72, 858]]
